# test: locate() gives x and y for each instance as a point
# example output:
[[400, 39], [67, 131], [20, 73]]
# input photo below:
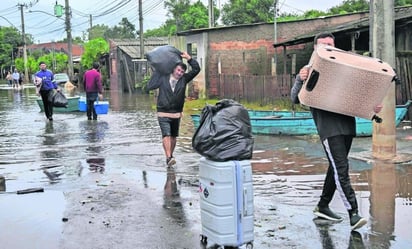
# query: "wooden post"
[[382, 44]]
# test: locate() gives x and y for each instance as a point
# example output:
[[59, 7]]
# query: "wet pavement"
[[106, 185]]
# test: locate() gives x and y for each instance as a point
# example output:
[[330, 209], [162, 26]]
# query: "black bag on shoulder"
[[164, 58]]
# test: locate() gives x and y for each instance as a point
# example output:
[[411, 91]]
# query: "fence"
[[262, 89], [266, 89]]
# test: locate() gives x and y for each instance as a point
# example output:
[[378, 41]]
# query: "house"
[[247, 49], [77, 50], [244, 55], [127, 66]]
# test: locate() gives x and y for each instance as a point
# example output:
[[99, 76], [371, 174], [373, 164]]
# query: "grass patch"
[[196, 105]]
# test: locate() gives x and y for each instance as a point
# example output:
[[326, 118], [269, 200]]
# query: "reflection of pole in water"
[[2, 183], [144, 178], [383, 182]]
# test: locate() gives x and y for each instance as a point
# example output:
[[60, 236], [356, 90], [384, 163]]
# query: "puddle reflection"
[[96, 164], [171, 200], [383, 191], [286, 170], [93, 131], [329, 240]]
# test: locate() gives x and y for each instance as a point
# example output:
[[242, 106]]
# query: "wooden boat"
[[301, 123], [73, 105]]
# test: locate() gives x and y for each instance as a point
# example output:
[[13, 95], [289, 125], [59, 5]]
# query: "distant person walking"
[[9, 79], [47, 86], [21, 77], [16, 78], [93, 87]]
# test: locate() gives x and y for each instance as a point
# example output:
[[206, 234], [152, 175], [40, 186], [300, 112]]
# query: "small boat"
[[73, 105], [301, 123]]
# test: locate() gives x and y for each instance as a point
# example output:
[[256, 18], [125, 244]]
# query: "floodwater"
[[72, 153]]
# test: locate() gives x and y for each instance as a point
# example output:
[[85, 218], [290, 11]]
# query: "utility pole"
[[275, 38], [90, 22], [211, 15], [67, 12], [26, 70], [141, 29], [382, 44]]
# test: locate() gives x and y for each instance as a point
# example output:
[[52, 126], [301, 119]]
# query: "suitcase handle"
[[245, 211], [313, 79]]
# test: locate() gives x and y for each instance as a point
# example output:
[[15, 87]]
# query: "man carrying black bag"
[[47, 86], [171, 99]]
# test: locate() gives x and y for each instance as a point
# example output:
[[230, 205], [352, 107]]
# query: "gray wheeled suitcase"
[[226, 203]]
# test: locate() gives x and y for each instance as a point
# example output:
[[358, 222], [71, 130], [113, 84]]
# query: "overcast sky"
[[45, 27]]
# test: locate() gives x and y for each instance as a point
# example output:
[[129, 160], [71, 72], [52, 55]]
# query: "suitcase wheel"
[[203, 239]]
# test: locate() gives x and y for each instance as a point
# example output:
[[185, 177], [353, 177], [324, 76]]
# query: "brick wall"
[[248, 49]]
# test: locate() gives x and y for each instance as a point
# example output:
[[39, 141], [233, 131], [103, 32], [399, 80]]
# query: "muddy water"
[[72, 153]]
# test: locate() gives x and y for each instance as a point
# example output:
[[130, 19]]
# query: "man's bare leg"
[[169, 144]]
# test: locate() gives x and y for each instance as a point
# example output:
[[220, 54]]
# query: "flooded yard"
[[93, 173]]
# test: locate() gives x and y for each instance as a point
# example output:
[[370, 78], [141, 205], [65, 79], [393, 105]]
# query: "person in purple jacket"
[[93, 88], [46, 78]]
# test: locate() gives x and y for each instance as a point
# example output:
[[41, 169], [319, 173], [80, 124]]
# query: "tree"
[[247, 11], [403, 2], [185, 16], [314, 14], [97, 31], [93, 50], [10, 40], [125, 30], [57, 62], [168, 28], [195, 17], [350, 6], [176, 9]]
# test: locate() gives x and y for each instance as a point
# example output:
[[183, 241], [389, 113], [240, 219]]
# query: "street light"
[[7, 20], [69, 36], [44, 12]]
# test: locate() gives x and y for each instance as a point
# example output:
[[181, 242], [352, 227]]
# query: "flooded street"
[[95, 173]]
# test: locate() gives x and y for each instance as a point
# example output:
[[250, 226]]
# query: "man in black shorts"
[[170, 102]]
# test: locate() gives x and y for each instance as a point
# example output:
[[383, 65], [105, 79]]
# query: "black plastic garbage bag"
[[164, 58], [58, 99], [224, 132]]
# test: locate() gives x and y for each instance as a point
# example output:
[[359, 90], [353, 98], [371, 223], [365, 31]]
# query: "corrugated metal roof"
[[402, 14], [131, 47]]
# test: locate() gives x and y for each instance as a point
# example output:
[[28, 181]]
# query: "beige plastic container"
[[345, 82]]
